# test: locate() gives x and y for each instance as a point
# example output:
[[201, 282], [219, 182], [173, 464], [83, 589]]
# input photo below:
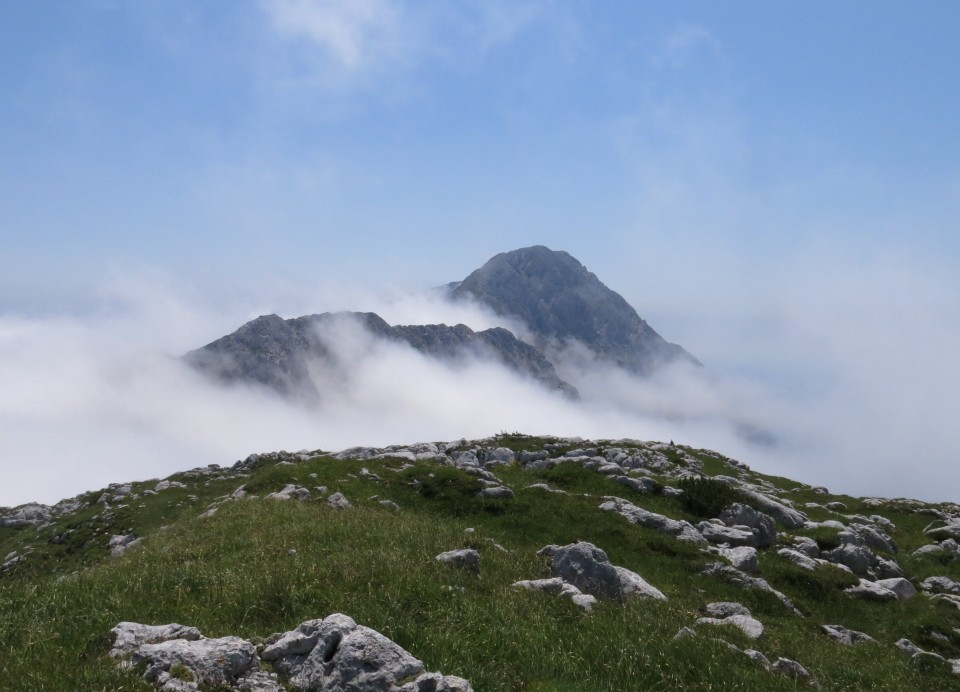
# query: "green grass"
[[260, 566]]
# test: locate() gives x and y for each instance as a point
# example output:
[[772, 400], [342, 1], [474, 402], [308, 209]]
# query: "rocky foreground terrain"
[[512, 562]]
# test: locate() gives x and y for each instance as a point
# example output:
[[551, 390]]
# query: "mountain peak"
[[559, 301]]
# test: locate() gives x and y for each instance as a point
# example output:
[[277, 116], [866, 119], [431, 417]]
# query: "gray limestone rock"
[[847, 636], [337, 654], [940, 585], [789, 517], [735, 576], [27, 515], [763, 525], [464, 558], [213, 662], [750, 626], [290, 492], [900, 586], [743, 558], [645, 486], [499, 492], [500, 455], [871, 591], [166, 484], [798, 558], [859, 559], [587, 567], [681, 530], [557, 586], [339, 501], [118, 545], [723, 609], [790, 668], [807, 546], [128, 636], [731, 535]]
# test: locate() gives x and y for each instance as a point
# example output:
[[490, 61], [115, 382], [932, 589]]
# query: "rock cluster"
[[329, 654]]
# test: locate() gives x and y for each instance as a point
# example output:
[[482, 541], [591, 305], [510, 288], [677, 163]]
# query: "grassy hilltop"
[[257, 566]]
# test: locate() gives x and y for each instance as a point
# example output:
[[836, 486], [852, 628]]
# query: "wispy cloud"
[[353, 33]]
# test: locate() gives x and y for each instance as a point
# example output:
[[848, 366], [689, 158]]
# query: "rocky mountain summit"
[[559, 301], [279, 353], [556, 300], [509, 562]]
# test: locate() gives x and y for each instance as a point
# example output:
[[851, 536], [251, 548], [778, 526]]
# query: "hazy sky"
[[775, 186]]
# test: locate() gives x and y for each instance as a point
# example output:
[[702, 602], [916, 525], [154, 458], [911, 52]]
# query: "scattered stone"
[[338, 501], [587, 567], [871, 591], [290, 492], [644, 486], [940, 585], [798, 558], [547, 488], [118, 545], [500, 455], [738, 578], [558, 586], [789, 517], [900, 586], [166, 485], [681, 530], [684, 633], [389, 504], [743, 558], [790, 668], [209, 513], [716, 532], [750, 626], [464, 558], [807, 546], [723, 609], [847, 636], [500, 492]]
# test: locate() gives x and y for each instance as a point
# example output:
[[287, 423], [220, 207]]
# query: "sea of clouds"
[[828, 386]]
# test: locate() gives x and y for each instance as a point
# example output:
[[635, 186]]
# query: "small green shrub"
[[705, 497]]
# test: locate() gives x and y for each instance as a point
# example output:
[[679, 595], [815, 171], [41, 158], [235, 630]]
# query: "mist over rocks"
[[560, 307], [284, 355]]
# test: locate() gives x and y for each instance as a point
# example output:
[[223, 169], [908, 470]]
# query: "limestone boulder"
[[589, 569]]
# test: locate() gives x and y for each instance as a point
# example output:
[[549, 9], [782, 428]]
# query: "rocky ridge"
[[559, 304]]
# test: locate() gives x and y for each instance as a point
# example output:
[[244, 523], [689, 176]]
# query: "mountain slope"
[[244, 561], [558, 300]]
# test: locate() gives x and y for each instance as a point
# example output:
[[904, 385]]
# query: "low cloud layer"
[[828, 385]]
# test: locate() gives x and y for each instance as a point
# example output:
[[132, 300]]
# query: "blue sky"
[[775, 186]]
